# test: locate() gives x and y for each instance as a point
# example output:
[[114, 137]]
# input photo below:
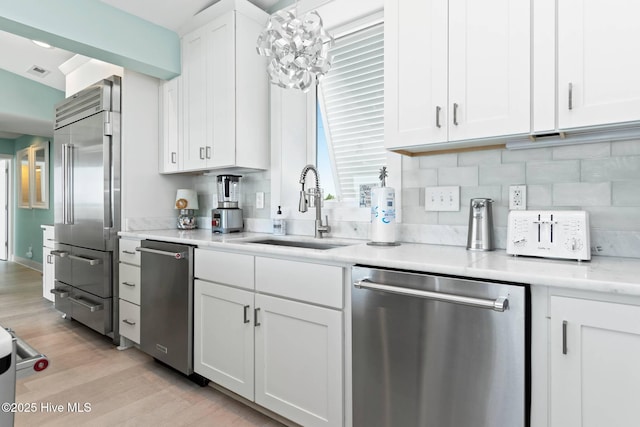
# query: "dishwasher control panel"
[[549, 234]]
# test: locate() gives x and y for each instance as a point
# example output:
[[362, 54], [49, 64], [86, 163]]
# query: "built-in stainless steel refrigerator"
[[87, 205]]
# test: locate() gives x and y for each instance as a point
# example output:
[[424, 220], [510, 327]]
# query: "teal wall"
[[22, 97], [7, 146], [95, 29], [26, 223]]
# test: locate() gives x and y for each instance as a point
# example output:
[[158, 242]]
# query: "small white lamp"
[[187, 202]]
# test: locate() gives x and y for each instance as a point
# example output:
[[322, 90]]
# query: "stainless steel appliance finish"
[[166, 303], [435, 351], [227, 218], [87, 205], [480, 236]]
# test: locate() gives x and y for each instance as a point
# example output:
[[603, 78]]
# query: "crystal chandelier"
[[297, 48]]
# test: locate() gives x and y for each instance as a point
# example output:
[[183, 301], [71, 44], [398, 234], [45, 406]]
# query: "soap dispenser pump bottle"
[[279, 225]]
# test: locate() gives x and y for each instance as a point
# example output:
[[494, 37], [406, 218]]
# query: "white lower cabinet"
[[223, 336], [48, 267], [299, 361], [129, 290], [594, 363], [284, 354]]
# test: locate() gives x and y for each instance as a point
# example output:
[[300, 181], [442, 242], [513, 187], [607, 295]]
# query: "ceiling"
[[19, 55]]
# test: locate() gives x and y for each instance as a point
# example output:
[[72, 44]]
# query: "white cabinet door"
[[171, 126], [194, 74], [221, 91], [456, 70], [489, 68], [48, 273], [223, 336], [598, 64], [299, 361], [415, 49], [595, 374]]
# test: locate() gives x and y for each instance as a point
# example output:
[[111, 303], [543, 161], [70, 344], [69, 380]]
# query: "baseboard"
[[29, 263]]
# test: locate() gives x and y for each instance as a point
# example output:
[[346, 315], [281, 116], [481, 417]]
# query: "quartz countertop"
[[601, 274]]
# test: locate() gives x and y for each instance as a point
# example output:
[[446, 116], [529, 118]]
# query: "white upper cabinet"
[[456, 71], [170, 126], [598, 62], [224, 94]]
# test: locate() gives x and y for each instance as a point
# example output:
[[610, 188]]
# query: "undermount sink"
[[298, 244]]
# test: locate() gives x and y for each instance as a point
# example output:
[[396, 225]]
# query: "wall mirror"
[[22, 172], [33, 176]]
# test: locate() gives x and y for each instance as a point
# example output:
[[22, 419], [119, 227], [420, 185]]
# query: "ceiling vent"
[[38, 71]]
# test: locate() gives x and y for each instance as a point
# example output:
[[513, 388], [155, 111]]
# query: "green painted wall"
[[27, 231], [7, 146], [97, 30], [22, 97]]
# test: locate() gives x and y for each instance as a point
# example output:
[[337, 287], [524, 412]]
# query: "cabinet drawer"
[[130, 321], [314, 283], [129, 283], [128, 251], [224, 267]]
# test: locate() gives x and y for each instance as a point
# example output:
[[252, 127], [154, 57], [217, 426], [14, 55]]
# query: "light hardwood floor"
[[123, 388]]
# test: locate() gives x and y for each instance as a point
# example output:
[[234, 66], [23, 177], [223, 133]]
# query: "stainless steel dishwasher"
[[166, 304], [436, 351]]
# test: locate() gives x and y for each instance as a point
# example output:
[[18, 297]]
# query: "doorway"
[[5, 197]]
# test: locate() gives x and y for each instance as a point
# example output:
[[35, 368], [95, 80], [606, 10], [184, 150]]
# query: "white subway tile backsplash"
[[511, 173], [438, 161], [482, 157], [611, 169], [552, 172], [582, 151], [417, 215], [625, 148], [626, 193], [410, 197], [419, 178], [539, 195], [467, 175], [454, 218], [582, 194], [493, 192], [614, 218]]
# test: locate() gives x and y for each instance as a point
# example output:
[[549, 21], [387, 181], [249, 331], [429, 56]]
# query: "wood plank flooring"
[[123, 388]]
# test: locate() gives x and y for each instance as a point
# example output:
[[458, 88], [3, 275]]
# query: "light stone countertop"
[[601, 274]]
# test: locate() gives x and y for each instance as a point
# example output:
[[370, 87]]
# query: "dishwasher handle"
[[499, 304], [176, 255]]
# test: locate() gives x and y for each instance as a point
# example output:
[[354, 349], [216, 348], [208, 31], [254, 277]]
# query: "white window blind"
[[351, 102]]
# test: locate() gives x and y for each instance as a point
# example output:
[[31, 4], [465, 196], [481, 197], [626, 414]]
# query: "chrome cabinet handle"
[[438, 125], [128, 252], [132, 285], [202, 153], [255, 317], [564, 337], [499, 304], [246, 309], [455, 114], [49, 259], [60, 293], [173, 157], [60, 254], [176, 255], [570, 96], [208, 152], [91, 307], [128, 322], [90, 261]]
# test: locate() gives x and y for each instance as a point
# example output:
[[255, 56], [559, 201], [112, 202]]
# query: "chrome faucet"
[[317, 199]]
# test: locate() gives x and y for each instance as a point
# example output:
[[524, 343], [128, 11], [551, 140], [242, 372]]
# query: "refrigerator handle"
[[67, 188], [108, 216]]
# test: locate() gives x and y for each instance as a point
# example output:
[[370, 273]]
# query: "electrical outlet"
[[517, 197], [260, 200], [442, 199]]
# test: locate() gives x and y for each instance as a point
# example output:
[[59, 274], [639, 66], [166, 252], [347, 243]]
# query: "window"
[[350, 115]]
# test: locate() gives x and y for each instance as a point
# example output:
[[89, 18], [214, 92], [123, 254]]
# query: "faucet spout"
[[320, 228]]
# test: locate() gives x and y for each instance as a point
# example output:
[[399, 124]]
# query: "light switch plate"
[[442, 199], [260, 200]]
